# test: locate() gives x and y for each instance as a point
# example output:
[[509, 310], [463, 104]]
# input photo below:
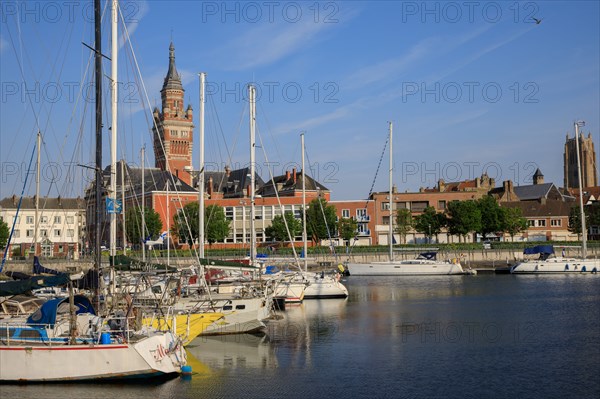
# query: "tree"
[[279, 232], [216, 225], [430, 222], [514, 222], [4, 233], [133, 222], [464, 217], [319, 218], [347, 228], [492, 216], [404, 223], [185, 223]]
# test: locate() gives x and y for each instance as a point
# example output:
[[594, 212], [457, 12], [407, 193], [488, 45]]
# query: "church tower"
[[173, 130], [589, 173]]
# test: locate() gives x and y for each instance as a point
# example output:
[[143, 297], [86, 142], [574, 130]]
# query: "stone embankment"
[[476, 259]]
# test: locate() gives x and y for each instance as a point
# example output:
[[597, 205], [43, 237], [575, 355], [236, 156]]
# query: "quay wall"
[[489, 258]]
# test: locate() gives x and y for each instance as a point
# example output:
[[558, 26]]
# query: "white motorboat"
[[547, 263], [424, 264]]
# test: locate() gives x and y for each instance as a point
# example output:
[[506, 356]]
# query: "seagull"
[[537, 21]]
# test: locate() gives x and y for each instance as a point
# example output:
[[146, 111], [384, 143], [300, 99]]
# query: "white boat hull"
[[154, 356], [405, 268], [324, 288], [556, 265]]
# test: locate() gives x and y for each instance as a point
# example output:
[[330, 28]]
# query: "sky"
[[470, 87]]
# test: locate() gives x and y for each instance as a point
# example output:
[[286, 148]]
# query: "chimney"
[[294, 173], [287, 175]]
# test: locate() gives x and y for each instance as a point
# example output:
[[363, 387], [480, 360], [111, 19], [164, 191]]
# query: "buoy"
[[186, 370]]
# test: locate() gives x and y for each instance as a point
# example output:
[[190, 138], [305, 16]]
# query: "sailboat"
[[321, 285], [111, 350], [425, 264], [546, 263]]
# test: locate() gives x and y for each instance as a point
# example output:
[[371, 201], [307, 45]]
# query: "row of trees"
[[483, 216]]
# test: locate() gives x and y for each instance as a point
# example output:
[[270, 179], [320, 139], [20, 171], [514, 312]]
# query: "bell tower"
[[173, 130]]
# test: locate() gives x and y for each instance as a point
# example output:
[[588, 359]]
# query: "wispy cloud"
[[266, 44], [131, 16]]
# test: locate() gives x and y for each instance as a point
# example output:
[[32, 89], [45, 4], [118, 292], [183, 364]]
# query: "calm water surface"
[[418, 337]]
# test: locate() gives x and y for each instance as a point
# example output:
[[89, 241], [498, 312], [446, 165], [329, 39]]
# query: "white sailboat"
[[63, 341], [546, 264], [422, 265], [321, 285]]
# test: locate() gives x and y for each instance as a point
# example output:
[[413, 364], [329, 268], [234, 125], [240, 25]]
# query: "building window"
[[44, 219], [70, 233], [442, 205], [298, 213], [345, 213], [44, 233], [46, 248], [56, 219], [386, 220], [541, 222], [17, 234], [555, 222], [29, 233], [385, 206], [229, 213], [29, 219], [70, 219], [61, 249], [531, 223], [401, 205], [17, 219], [57, 232], [184, 133], [418, 206]]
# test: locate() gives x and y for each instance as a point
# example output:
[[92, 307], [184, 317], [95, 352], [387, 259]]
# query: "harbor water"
[[485, 336]]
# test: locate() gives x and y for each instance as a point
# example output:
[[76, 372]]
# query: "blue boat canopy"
[[46, 314], [428, 255], [539, 249]]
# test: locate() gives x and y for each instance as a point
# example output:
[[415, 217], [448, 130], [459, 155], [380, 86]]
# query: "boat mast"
[[391, 224], [37, 195], [578, 124], [112, 195], [143, 205], [124, 230], [201, 172], [98, 97], [168, 225], [252, 98], [304, 235]]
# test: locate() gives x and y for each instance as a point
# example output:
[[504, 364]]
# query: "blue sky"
[[470, 87]]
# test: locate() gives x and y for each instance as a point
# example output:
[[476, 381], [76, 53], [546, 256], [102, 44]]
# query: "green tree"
[[404, 223], [575, 220], [430, 222], [347, 229], [133, 222], [4, 233], [319, 218], [279, 232], [492, 216], [216, 225], [514, 222], [464, 217], [185, 223]]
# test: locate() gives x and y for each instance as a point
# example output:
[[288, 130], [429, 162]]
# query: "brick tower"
[[589, 174], [173, 132]]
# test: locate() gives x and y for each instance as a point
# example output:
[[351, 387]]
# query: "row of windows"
[[413, 206], [361, 214], [44, 233], [44, 219], [266, 212], [179, 133], [542, 223]]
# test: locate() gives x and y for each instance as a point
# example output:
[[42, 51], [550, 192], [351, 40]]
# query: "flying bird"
[[537, 21]]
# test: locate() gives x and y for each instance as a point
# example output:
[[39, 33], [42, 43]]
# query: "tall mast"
[[391, 224], [112, 195], [98, 97], [304, 237], [123, 206], [252, 98], [201, 173], [168, 224], [37, 195], [582, 214], [143, 206]]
